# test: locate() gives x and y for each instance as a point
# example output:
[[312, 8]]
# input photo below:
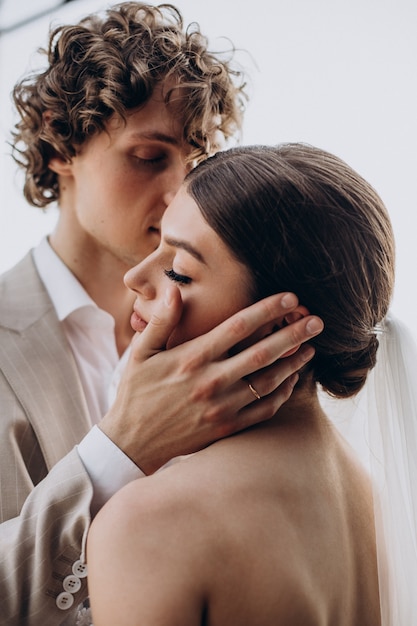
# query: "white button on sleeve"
[[79, 569], [71, 583], [65, 600]]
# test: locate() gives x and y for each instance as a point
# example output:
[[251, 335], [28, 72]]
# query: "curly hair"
[[303, 221], [109, 64]]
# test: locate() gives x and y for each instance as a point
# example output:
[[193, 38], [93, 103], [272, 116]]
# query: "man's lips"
[[137, 323]]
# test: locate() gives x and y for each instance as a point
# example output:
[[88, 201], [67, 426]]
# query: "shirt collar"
[[65, 291]]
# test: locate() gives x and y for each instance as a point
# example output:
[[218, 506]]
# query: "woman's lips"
[[137, 323]]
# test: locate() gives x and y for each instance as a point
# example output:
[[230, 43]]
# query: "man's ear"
[[60, 166], [56, 163]]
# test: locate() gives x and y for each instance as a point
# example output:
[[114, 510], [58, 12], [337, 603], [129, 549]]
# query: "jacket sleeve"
[[42, 568]]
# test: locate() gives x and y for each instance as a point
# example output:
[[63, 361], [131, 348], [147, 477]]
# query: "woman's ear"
[[298, 313], [295, 315], [272, 327]]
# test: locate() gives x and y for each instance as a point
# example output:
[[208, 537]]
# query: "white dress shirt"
[[90, 333]]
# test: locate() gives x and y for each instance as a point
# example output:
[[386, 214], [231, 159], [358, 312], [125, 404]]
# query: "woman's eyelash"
[[178, 278]]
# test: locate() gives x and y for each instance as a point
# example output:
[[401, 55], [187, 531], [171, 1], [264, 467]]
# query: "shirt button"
[[72, 584], [79, 569], [65, 600]]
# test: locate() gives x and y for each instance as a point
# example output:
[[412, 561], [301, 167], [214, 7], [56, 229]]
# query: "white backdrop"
[[339, 74]]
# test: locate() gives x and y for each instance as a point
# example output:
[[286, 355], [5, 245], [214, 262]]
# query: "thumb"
[[155, 336]]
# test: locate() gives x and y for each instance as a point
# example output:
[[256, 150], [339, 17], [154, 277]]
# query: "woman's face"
[[213, 284]]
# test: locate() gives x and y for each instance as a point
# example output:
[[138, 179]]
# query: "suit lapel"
[[38, 363]]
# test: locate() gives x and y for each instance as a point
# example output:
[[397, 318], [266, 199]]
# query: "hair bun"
[[344, 375]]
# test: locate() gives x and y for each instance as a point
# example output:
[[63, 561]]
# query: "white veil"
[[381, 424]]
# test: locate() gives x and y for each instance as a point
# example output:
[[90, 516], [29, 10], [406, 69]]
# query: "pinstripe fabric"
[[43, 415]]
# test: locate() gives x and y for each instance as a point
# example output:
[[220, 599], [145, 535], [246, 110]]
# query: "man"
[[128, 103]]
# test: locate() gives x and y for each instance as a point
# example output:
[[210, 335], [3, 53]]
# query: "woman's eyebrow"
[[184, 245]]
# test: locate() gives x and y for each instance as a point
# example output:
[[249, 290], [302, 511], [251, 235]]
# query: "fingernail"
[[314, 326], [288, 300]]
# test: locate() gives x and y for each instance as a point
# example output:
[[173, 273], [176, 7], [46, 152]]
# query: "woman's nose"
[[137, 279]]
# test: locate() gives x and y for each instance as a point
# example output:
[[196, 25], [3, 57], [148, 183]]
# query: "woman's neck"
[[302, 408]]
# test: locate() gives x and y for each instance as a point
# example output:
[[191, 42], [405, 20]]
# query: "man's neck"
[[101, 275]]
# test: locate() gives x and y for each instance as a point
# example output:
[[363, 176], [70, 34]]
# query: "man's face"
[[121, 182]]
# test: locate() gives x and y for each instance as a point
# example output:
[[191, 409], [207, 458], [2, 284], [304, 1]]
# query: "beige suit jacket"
[[45, 491]]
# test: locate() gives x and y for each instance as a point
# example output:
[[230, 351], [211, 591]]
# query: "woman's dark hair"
[[109, 64], [303, 221]]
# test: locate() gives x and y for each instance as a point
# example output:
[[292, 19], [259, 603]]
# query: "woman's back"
[[273, 526]]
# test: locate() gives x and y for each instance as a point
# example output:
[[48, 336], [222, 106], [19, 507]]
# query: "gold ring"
[[253, 390]]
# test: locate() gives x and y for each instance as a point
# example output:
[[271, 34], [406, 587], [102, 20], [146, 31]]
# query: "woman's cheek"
[[193, 323]]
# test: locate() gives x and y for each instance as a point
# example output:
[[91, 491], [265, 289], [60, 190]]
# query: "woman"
[[275, 525]]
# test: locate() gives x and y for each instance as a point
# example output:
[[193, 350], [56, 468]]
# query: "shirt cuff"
[[108, 467]]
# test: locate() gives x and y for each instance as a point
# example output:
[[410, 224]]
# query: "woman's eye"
[[178, 278]]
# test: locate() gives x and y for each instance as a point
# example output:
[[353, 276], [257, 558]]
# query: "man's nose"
[[169, 196], [173, 181]]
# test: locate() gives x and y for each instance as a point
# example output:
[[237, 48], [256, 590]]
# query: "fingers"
[[155, 336], [274, 385], [251, 411], [264, 409], [246, 322], [271, 348], [266, 381], [281, 377]]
